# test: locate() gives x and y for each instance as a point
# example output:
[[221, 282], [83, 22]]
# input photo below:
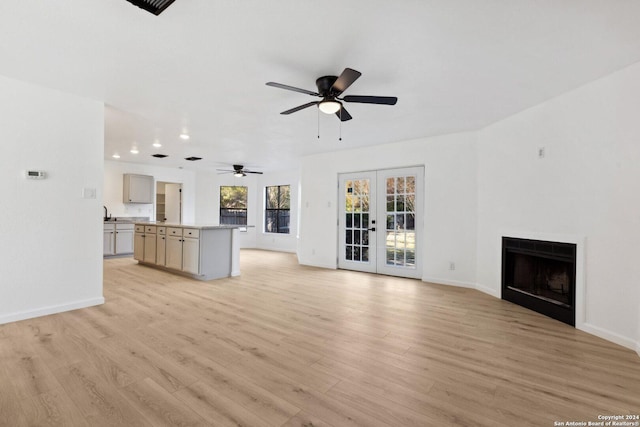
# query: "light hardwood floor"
[[287, 345]]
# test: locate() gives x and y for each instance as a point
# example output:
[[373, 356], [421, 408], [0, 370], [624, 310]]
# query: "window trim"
[[276, 210], [220, 208]]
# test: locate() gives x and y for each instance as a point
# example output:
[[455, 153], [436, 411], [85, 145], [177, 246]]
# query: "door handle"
[[371, 229]]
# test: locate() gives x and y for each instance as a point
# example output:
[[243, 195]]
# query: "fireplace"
[[541, 276]]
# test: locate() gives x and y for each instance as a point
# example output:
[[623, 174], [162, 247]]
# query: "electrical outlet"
[[452, 266]]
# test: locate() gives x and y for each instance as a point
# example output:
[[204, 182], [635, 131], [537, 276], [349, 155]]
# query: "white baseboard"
[[319, 265], [45, 311], [489, 291], [610, 336], [457, 283]]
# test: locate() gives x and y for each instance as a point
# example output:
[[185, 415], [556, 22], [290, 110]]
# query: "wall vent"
[[154, 6]]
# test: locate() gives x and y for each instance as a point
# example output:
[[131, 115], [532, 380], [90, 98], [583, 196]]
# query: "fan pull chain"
[[318, 123], [340, 128]]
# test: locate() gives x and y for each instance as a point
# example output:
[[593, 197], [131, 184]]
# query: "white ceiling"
[[202, 65]]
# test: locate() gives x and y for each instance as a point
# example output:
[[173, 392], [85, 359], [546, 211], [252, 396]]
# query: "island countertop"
[[188, 225]]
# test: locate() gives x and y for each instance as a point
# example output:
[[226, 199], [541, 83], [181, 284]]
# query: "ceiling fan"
[[238, 170], [329, 89]]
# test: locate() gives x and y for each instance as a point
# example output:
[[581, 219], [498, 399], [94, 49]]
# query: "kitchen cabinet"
[[174, 252], [138, 243], [201, 252], [150, 242], [190, 255], [161, 246], [109, 239], [137, 188], [123, 239]]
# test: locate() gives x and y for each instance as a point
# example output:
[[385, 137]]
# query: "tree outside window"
[[233, 205], [276, 217]]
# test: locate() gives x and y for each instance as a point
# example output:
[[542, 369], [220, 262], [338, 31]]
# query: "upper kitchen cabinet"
[[138, 188]]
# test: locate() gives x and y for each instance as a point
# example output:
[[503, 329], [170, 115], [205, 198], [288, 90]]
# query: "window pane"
[[233, 197], [411, 185], [233, 216], [285, 197], [270, 221], [391, 188], [400, 184], [272, 197], [411, 222], [390, 206]]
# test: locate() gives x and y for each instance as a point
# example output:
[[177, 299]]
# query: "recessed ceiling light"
[[116, 156], [184, 136], [193, 158], [134, 150], [159, 156], [157, 144]]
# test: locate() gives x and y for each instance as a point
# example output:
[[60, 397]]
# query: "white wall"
[[208, 206], [588, 184], [113, 186], [450, 201], [51, 259]]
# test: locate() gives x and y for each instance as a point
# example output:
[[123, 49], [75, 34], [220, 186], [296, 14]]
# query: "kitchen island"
[[203, 252]]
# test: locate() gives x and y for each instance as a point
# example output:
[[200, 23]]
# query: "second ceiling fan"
[[329, 89]]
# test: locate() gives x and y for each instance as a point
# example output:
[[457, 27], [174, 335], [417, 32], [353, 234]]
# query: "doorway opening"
[[169, 202], [379, 220]]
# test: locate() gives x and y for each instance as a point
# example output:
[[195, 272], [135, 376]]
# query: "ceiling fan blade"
[[345, 80], [343, 115], [246, 171], [223, 171], [384, 100], [295, 89], [300, 107]]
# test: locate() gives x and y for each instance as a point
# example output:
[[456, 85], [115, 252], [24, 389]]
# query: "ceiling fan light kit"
[[329, 106]]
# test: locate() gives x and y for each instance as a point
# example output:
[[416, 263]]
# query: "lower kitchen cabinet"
[[124, 239], [190, 255], [161, 246], [174, 252], [118, 239], [138, 245], [109, 240]]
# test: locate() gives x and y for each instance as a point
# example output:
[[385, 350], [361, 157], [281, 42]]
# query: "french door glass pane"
[[400, 234], [357, 210]]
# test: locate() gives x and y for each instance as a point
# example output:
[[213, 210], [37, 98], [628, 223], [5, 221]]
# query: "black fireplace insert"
[[541, 276]]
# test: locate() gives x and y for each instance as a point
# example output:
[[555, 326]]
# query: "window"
[[233, 205], [276, 215]]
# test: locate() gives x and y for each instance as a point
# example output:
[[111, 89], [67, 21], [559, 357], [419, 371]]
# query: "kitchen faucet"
[[106, 218]]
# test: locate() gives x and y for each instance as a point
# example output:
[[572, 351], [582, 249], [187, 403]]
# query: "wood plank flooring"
[[287, 345]]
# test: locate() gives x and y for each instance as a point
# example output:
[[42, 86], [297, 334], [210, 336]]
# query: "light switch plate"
[[88, 193]]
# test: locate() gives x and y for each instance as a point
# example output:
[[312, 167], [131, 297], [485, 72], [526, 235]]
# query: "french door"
[[380, 221]]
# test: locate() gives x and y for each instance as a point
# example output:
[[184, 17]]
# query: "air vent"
[[193, 159], [159, 156], [154, 6]]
